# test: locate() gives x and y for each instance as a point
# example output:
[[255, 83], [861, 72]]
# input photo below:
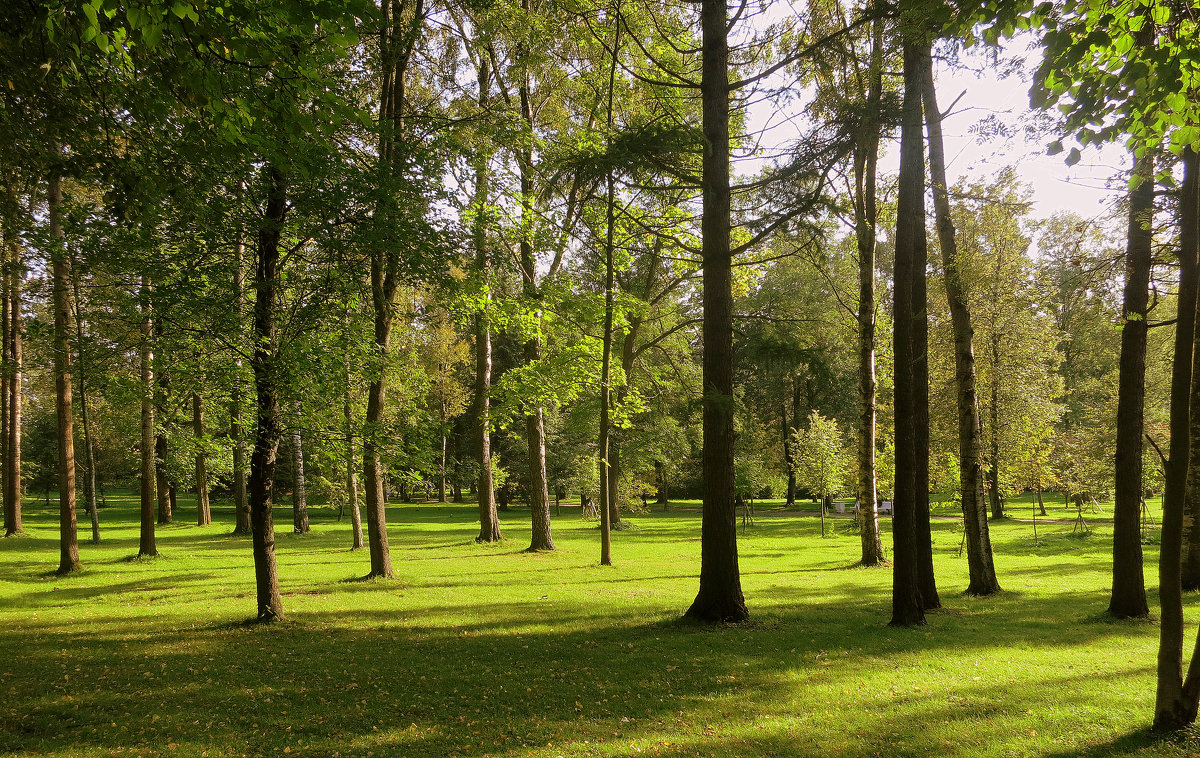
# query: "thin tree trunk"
[[149, 478], [299, 491], [264, 361], [489, 518], [163, 382], [720, 595], [351, 465], [7, 224], [788, 459], [980, 566], [607, 466], [660, 478], [61, 276], [1128, 584], [89, 483], [993, 466], [907, 606], [241, 503], [203, 508], [866, 156], [1176, 699], [13, 357]]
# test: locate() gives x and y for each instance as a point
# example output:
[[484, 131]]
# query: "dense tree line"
[[509, 251]]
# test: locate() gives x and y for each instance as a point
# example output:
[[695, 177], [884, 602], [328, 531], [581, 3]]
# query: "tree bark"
[[241, 503], [264, 362], [907, 606], [13, 358], [89, 482], [61, 278], [1177, 698], [299, 492], [149, 479], [719, 598], [866, 158], [1128, 598], [980, 566], [163, 382], [788, 459], [203, 508], [351, 465]]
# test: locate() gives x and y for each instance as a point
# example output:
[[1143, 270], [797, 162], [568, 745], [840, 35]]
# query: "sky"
[[976, 93], [1088, 188]]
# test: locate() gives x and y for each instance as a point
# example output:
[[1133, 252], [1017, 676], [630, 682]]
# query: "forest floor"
[[484, 650]]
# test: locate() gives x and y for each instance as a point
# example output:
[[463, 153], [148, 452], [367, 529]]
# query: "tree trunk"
[[907, 606], [607, 496], [1128, 584], [264, 361], [351, 465], [89, 482], [866, 155], [163, 381], [149, 478], [203, 509], [993, 463], [720, 595], [489, 519], [299, 491], [394, 49], [660, 478], [1176, 699], [788, 458], [980, 565], [241, 504], [12, 478], [13, 355], [61, 276]]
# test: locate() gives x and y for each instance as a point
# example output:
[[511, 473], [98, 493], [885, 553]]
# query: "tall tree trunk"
[[237, 431], [1128, 584], [89, 482], [489, 519], [149, 479], [264, 361], [660, 479], [1177, 699], [907, 606], [993, 467], [789, 460], [535, 427], [61, 276], [720, 595], [605, 451], [866, 158], [163, 381], [203, 508], [397, 35], [7, 224], [13, 372], [351, 461], [299, 491], [980, 565]]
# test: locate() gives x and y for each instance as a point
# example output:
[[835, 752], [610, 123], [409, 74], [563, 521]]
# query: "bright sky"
[[1086, 188]]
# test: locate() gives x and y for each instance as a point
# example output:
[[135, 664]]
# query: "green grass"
[[485, 650]]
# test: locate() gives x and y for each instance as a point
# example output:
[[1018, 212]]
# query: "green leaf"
[[1074, 156]]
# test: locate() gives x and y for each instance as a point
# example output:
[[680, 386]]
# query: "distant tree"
[[823, 463]]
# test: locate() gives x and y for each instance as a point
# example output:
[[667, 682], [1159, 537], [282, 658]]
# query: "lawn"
[[488, 651]]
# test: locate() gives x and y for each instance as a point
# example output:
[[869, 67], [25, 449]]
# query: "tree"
[[908, 605], [822, 462], [720, 596]]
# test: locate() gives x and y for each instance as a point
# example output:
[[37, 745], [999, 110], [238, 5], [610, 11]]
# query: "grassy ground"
[[484, 650]]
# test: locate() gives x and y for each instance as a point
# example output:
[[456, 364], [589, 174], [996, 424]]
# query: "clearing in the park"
[[490, 651]]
